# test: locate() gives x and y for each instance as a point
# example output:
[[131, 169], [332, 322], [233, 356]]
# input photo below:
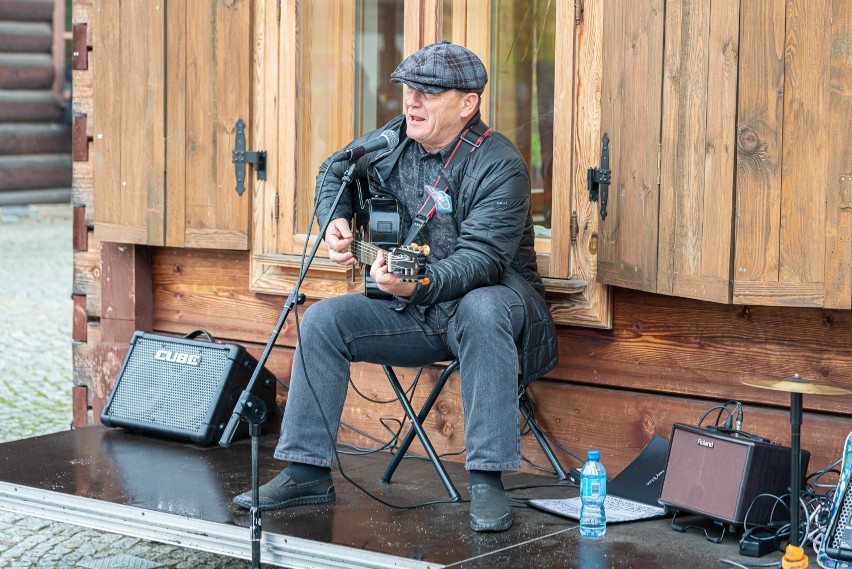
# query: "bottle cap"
[[594, 455]]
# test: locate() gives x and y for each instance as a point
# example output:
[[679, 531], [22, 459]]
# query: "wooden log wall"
[[86, 290]]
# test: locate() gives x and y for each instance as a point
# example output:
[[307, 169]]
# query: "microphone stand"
[[251, 408]]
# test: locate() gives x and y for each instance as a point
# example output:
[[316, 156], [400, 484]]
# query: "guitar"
[[377, 228]]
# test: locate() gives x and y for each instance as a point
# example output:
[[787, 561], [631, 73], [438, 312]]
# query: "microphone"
[[386, 140]]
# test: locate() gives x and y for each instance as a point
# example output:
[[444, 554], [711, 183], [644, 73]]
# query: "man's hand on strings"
[[389, 282], [338, 237]]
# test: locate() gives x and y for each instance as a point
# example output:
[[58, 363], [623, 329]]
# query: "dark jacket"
[[490, 193]]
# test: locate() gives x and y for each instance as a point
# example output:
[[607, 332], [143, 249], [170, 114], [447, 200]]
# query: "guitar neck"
[[364, 252]]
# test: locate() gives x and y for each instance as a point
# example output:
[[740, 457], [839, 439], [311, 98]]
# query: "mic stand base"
[[254, 416], [255, 527]]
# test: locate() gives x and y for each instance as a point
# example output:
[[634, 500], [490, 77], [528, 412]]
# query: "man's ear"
[[470, 104]]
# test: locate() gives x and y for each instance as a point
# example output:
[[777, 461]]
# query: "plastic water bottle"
[[592, 496]]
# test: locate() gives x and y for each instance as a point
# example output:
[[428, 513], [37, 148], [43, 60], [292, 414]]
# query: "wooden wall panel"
[[702, 349], [207, 289], [565, 262], [143, 61], [176, 109], [325, 114], [665, 360]]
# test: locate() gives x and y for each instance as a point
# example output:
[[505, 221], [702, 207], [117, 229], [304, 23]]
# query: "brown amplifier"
[[719, 475]]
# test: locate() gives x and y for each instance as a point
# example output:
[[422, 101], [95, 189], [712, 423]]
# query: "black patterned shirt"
[[415, 173]]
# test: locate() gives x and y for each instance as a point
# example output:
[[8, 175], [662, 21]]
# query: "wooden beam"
[[79, 47], [126, 293], [79, 406]]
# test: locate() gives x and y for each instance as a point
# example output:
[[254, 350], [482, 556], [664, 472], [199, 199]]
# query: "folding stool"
[[417, 429]]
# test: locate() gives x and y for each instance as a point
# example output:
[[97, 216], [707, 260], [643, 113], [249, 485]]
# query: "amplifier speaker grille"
[[719, 476], [182, 388]]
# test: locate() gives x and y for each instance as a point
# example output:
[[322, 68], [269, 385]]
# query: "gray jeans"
[[483, 334]]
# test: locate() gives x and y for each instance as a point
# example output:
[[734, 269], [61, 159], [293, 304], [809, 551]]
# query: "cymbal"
[[797, 384]]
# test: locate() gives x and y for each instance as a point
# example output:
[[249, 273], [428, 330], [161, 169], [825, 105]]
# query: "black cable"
[[710, 410], [384, 444], [524, 399], [407, 391], [738, 433]]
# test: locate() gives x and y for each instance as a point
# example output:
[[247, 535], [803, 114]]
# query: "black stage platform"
[[180, 494]]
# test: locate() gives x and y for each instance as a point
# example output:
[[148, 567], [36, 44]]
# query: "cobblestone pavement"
[[35, 330], [35, 394]]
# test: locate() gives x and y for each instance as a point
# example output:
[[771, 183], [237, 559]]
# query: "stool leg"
[[539, 436], [416, 428], [424, 412]]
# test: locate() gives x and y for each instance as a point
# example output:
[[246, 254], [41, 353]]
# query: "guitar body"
[[377, 222], [382, 230]]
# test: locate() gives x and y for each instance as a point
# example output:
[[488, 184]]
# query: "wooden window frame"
[[568, 262]]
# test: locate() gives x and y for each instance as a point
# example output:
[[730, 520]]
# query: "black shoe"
[[489, 508], [283, 492]]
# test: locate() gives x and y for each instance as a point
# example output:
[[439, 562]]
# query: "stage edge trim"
[[224, 539]]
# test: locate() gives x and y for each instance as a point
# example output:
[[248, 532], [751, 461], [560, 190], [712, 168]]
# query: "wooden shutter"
[[631, 105], [793, 229], [128, 111], [172, 80], [670, 112]]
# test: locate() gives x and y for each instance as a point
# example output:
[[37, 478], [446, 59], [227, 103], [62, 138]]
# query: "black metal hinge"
[[600, 178], [240, 158]]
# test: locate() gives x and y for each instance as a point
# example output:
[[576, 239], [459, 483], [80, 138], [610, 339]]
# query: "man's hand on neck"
[[389, 282]]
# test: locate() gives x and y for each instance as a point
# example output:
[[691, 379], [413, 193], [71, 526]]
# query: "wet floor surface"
[[112, 466]]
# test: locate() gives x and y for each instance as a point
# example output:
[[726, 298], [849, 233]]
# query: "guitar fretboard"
[[366, 253]]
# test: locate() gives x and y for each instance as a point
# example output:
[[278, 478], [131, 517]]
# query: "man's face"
[[434, 120]]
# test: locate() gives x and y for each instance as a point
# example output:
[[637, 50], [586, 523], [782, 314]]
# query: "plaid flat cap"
[[442, 66]]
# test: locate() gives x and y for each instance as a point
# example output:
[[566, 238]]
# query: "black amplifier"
[[183, 388]]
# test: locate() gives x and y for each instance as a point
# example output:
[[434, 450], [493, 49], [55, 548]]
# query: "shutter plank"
[[759, 142], [838, 261], [200, 109], [631, 115], [176, 96], [234, 73], [699, 109], [107, 95], [685, 94], [806, 143]]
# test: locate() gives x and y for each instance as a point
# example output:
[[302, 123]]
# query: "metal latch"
[[600, 178], [846, 191], [240, 158]]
